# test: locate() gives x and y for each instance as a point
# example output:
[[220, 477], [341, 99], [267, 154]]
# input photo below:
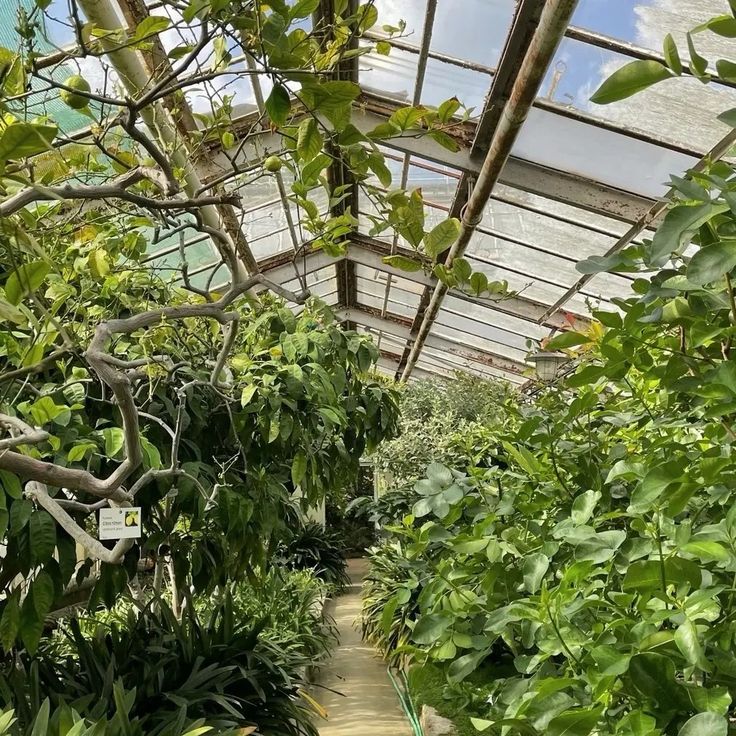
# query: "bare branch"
[[117, 189], [24, 433]]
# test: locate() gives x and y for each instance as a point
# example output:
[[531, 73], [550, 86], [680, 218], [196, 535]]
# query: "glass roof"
[[615, 161]]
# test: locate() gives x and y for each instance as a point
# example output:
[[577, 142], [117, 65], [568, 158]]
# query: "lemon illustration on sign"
[[131, 518], [70, 97], [273, 164]]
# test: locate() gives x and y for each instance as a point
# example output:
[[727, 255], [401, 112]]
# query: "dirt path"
[[365, 703]]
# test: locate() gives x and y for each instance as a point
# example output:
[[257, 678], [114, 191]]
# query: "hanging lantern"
[[547, 364]]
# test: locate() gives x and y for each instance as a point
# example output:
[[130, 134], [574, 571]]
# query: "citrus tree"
[[207, 403]]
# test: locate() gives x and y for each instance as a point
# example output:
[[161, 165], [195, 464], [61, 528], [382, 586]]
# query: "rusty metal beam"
[[550, 30]]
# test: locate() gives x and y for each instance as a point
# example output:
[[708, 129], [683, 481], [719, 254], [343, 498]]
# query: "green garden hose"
[[402, 690]]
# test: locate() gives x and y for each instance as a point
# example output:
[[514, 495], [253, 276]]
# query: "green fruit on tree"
[[70, 97], [273, 164]]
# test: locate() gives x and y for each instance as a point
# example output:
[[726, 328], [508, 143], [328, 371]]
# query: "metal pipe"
[[552, 25], [136, 78]]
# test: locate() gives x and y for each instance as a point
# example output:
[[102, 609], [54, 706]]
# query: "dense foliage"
[[578, 576], [318, 549], [241, 661]]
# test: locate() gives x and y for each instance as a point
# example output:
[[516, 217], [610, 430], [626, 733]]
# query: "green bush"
[[312, 547], [209, 667]]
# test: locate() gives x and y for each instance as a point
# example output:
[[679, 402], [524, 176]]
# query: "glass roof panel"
[[681, 111], [394, 76], [537, 266], [553, 208], [550, 234], [465, 330], [601, 155], [646, 22], [509, 324]]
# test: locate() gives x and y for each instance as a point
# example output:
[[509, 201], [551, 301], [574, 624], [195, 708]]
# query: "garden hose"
[[402, 690]]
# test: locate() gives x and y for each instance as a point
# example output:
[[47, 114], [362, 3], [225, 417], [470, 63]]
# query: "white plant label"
[[123, 523]]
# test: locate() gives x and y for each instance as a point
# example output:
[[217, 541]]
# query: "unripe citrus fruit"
[[273, 164], [69, 97]]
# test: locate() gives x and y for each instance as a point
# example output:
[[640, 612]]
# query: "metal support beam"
[[552, 24]]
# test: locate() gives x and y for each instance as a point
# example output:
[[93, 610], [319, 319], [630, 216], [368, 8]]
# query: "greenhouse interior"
[[367, 367]]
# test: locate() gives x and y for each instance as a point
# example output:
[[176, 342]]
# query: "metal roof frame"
[[586, 205]]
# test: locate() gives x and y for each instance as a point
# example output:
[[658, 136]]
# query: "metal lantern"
[[547, 364]]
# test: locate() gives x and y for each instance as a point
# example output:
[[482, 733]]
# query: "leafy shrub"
[[209, 668], [65, 721], [390, 593], [296, 635], [312, 547]]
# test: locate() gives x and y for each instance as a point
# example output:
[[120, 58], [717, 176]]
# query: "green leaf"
[[728, 117], [707, 551], [430, 627], [46, 410], [445, 140], [726, 70], [42, 530], [710, 263], [10, 622], [9, 313], [535, 568], [114, 440], [406, 118], [567, 340], [688, 642], [377, 165], [41, 721], [303, 9], [447, 109], [646, 575], [11, 484], [150, 26], [387, 616], [43, 593], [652, 486], [577, 722], [672, 55], [309, 140], [31, 624], [19, 140], [583, 507], [25, 280], [368, 15], [441, 237], [678, 226], [653, 675], [403, 263], [630, 79], [383, 48], [723, 25], [298, 468], [478, 282], [465, 665], [714, 699], [20, 513], [151, 455], [698, 63], [278, 105], [248, 393], [705, 724]]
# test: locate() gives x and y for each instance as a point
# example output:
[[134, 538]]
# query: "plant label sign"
[[123, 523]]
